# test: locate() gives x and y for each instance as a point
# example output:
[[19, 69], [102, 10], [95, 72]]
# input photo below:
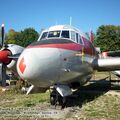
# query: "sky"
[[86, 14]]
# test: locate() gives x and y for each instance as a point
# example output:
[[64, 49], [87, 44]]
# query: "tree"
[[27, 36], [108, 38], [11, 37]]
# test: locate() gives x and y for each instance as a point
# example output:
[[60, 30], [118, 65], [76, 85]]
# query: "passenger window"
[[54, 34], [65, 34], [44, 35], [73, 35]]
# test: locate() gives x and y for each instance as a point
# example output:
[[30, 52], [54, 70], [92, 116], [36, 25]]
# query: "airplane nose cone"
[[39, 66], [25, 63]]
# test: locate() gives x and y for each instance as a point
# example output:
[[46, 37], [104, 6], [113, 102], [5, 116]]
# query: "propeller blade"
[[4, 60], [3, 75], [15, 56], [2, 34]]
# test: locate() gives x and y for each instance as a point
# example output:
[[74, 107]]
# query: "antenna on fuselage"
[[70, 20]]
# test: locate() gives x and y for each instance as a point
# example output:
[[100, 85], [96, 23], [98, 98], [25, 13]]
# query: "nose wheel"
[[57, 99]]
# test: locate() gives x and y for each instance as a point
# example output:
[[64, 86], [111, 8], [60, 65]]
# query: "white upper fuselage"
[[62, 31], [62, 55]]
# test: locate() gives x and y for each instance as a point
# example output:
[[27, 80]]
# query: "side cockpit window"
[[44, 35], [54, 34], [76, 37], [79, 40], [73, 36], [65, 34]]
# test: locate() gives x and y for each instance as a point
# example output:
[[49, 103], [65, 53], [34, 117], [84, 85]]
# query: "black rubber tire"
[[52, 100]]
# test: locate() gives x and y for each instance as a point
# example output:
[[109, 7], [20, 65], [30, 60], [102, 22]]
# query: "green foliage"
[[11, 37], [22, 38], [27, 36], [108, 38]]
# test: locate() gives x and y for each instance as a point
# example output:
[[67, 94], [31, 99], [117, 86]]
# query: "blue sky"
[[86, 14]]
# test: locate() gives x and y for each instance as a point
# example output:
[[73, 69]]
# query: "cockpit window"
[[65, 34], [77, 37], [73, 35], [44, 35], [54, 34]]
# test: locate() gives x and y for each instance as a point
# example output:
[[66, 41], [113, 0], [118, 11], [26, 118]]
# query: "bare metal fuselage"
[[48, 65]]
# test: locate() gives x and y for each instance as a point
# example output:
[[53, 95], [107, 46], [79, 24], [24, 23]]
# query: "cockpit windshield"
[[63, 32], [54, 34]]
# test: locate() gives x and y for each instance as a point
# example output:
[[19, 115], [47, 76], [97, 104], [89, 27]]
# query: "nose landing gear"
[[57, 99]]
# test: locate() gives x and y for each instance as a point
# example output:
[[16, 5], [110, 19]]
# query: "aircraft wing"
[[106, 64], [114, 53]]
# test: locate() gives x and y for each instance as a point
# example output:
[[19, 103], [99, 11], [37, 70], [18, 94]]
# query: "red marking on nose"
[[22, 65]]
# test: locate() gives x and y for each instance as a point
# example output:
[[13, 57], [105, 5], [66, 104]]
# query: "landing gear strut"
[[56, 98]]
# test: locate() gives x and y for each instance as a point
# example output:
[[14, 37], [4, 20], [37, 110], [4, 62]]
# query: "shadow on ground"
[[91, 91]]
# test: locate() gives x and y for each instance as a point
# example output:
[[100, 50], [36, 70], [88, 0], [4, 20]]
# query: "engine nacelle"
[[15, 50]]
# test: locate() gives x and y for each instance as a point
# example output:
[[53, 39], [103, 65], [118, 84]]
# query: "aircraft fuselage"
[[51, 61]]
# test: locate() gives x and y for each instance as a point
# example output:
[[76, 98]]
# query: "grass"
[[100, 106], [105, 107], [11, 99], [33, 99], [92, 105]]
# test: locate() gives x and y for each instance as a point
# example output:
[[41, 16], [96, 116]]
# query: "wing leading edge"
[[106, 64]]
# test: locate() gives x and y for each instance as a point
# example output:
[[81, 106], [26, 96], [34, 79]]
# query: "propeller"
[[4, 57]]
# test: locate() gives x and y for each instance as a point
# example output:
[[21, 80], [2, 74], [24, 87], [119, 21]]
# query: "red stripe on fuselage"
[[68, 46]]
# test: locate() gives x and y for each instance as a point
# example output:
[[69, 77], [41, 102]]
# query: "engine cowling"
[[7, 55]]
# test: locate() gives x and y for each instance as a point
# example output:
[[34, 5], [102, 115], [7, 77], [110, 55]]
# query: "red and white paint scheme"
[[63, 57]]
